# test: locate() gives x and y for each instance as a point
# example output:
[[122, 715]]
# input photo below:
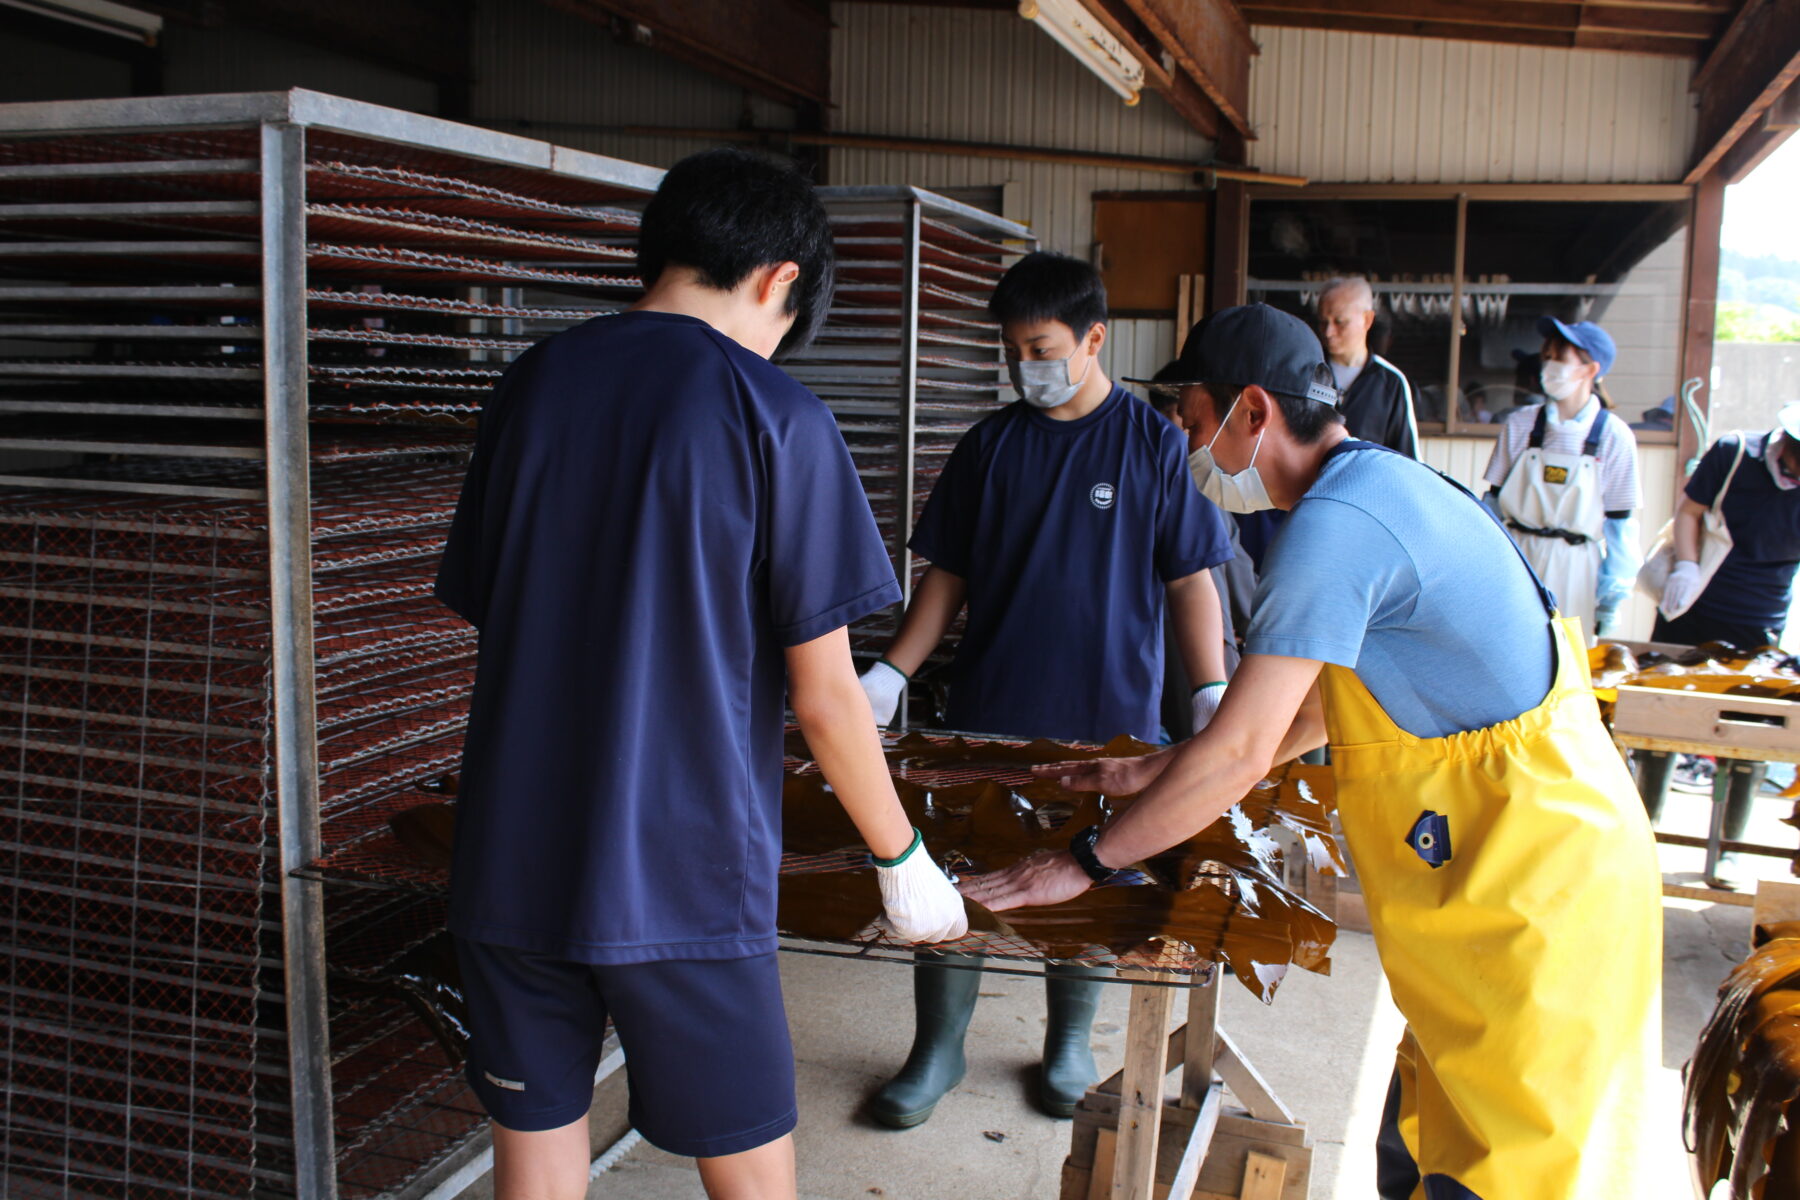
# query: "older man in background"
[[1378, 403]]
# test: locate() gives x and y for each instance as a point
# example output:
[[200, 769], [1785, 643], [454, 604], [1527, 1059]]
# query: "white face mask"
[[1045, 383], [1242, 492], [1561, 379]]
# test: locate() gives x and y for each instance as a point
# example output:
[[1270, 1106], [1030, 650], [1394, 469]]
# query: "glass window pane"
[[1616, 263], [1406, 248]]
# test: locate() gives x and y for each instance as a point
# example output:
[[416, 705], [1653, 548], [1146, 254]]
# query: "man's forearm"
[[935, 603], [1270, 707], [1205, 777], [1199, 627], [845, 744], [833, 711]]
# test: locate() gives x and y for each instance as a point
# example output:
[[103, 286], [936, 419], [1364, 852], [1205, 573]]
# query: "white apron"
[[1552, 505]]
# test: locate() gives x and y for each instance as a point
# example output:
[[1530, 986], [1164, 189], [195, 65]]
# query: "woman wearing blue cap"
[[1565, 479]]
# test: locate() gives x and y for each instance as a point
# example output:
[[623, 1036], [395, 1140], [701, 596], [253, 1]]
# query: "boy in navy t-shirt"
[[1067, 522], [660, 532]]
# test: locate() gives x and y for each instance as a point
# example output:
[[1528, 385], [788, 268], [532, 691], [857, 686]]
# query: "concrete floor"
[[1325, 1046]]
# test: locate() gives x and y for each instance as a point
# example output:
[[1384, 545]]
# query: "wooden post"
[[1231, 245], [1200, 1042], [1699, 314], [1141, 1088]]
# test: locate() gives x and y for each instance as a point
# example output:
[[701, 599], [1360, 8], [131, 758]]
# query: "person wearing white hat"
[[1754, 479]]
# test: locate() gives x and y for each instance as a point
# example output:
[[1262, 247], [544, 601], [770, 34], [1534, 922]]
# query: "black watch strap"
[[1082, 847]]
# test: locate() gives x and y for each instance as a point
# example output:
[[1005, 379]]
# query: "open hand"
[[1047, 877]]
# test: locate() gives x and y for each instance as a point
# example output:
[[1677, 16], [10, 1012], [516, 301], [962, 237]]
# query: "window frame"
[[1462, 194]]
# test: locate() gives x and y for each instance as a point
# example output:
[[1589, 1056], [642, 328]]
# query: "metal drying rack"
[[244, 340], [909, 359]]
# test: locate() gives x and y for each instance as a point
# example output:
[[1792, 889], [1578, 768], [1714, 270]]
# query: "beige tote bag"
[[1715, 544]]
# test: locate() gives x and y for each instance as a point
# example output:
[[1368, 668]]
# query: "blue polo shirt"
[[1388, 569], [652, 515], [1755, 583], [1065, 532]]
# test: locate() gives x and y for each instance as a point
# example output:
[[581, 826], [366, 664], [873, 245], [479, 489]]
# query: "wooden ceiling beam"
[[1504, 35], [1174, 86], [1515, 14], [1756, 61], [1210, 41], [777, 48]]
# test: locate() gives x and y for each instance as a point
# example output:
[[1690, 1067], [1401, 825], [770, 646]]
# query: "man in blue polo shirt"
[[1066, 522], [1510, 873], [660, 531]]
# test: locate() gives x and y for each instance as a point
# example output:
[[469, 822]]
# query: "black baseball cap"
[[1253, 344]]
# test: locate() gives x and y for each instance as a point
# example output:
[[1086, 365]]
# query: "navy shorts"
[[707, 1056]]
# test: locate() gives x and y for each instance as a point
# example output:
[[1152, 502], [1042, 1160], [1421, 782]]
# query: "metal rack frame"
[[273, 179], [890, 239]]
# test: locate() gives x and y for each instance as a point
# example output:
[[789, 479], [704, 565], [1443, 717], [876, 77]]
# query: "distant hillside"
[[1759, 298]]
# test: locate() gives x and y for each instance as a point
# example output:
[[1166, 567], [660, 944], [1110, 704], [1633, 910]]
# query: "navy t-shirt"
[[1065, 532], [1755, 583], [653, 513]]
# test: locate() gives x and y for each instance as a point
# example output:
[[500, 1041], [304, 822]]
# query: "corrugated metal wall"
[[1358, 107], [1465, 460], [536, 64], [988, 76]]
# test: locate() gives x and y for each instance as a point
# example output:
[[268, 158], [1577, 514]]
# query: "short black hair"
[[727, 212], [1050, 287], [1306, 419]]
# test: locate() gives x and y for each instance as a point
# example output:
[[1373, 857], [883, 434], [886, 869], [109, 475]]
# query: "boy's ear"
[[774, 280], [1096, 337]]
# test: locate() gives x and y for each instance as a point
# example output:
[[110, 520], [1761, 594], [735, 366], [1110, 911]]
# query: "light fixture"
[[102, 15], [1080, 33]]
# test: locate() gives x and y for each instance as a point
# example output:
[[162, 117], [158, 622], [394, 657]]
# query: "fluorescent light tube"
[[1080, 33]]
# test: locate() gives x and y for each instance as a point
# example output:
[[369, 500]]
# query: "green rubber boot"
[[943, 1001], [1745, 781], [1071, 996], [1653, 770]]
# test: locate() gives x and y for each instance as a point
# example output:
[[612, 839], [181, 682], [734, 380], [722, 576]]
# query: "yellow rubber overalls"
[[1515, 898]]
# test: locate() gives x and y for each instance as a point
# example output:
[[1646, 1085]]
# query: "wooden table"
[[1727, 728]]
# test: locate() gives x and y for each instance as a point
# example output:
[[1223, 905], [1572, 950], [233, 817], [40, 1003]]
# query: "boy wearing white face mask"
[[1067, 523], [1565, 480]]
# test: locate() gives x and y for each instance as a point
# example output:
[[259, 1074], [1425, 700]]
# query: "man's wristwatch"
[[1082, 847]]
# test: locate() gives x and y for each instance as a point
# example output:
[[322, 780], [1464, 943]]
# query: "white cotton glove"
[[1681, 590], [1206, 704], [885, 684], [920, 903]]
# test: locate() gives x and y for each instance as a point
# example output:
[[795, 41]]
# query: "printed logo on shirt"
[[1102, 495], [1556, 474]]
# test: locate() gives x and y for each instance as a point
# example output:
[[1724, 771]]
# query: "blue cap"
[[1584, 335], [1255, 344]]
